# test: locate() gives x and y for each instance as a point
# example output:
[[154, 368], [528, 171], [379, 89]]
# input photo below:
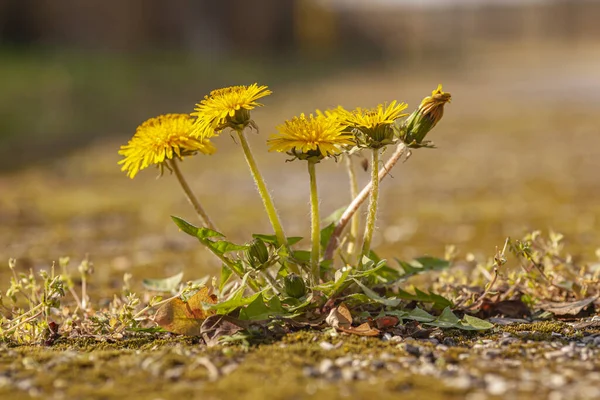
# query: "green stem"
[[190, 195], [372, 215], [315, 228], [355, 222], [266, 197]]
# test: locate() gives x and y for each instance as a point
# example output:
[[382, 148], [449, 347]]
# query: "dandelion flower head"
[[373, 125], [227, 107], [313, 136], [159, 139]]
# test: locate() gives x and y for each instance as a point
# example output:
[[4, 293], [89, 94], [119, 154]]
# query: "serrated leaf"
[[163, 285]]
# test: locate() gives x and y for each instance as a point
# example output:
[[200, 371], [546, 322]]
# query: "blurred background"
[[517, 148]]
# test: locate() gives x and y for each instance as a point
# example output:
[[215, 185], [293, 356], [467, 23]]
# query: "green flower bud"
[[294, 286], [257, 254], [425, 118]]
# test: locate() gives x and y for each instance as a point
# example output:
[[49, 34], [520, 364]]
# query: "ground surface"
[[517, 151], [550, 360]]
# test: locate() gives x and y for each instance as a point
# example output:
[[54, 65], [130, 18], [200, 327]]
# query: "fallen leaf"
[[593, 323], [339, 317], [185, 318], [216, 326], [506, 308], [361, 330], [387, 321], [571, 308]]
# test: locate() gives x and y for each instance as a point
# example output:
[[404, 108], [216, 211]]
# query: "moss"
[[542, 330]]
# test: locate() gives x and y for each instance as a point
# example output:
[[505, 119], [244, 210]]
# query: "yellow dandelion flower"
[[426, 117], [159, 139], [311, 137], [368, 120], [227, 107], [373, 126]]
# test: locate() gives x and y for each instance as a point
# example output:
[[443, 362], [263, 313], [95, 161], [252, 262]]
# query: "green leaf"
[[258, 310], [200, 233], [473, 323], [205, 233], [334, 217], [302, 255], [340, 279], [235, 299], [357, 299], [226, 274], [163, 285], [415, 315], [390, 302], [373, 256], [446, 320], [326, 235], [223, 246], [185, 226], [272, 239], [374, 268], [438, 301], [432, 263], [420, 315], [387, 274]]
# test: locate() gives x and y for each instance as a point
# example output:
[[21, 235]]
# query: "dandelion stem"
[[315, 228], [374, 198], [190, 195], [262, 190], [334, 241], [355, 220]]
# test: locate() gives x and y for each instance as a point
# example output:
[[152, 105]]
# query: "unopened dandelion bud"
[[425, 118], [294, 286], [257, 254]]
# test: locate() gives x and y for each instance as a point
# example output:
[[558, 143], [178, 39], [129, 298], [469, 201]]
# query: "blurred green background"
[[517, 148]]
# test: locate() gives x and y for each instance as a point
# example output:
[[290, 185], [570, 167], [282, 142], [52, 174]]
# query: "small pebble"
[[325, 366], [413, 350], [448, 341]]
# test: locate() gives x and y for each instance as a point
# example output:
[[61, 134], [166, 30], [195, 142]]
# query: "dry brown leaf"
[[185, 318], [217, 326], [339, 317], [361, 330], [570, 308]]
